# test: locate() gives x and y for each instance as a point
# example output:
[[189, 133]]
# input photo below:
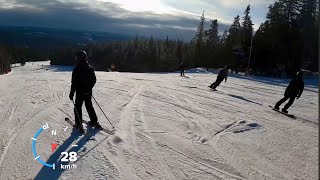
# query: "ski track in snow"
[[167, 127]]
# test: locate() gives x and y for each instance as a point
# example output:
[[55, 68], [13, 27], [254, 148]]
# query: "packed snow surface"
[[167, 127]]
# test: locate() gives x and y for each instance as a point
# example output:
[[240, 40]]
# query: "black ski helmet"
[[81, 56], [299, 74]]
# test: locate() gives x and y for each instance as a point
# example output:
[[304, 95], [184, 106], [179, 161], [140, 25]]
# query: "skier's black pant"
[[78, 108], [217, 83], [182, 72], [291, 100]]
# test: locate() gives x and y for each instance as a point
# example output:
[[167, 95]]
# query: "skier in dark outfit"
[[83, 80], [182, 69], [294, 90], [223, 74]]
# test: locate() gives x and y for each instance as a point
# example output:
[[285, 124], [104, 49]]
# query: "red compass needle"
[[53, 146]]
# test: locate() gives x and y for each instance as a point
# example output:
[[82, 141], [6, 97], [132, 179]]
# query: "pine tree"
[[5, 58], [152, 49], [234, 37], [234, 42], [224, 38], [212, 35], [212, 42], [275, 15], [199, 43], [308, 27], [247, 30], [179, 51], [199, 36], [291, 11]]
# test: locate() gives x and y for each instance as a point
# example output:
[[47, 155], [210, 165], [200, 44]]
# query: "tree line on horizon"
[[5, 59], [285, 42], [10, 55]]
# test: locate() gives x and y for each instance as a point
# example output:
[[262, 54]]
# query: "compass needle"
[[53, 146]]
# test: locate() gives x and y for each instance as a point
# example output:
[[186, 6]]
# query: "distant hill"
[[48, 38]]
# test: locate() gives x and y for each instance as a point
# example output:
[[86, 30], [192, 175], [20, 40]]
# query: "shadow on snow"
[[49, 173], [244, 99]]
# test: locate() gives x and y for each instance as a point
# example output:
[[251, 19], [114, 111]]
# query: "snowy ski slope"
[[167, 127]]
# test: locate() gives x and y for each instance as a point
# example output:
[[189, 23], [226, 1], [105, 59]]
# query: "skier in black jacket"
[[223, 74], [83, 80], [294, 90], [182, 66]]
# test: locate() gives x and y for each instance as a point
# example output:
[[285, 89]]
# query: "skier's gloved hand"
[[71, 97]]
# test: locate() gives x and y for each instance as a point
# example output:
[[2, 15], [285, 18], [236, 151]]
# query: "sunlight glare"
[[155, 6]]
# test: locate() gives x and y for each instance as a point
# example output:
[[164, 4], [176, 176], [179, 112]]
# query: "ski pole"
[[102, 111], [75, 108]]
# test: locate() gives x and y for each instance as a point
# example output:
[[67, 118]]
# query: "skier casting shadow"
[[294, 90], [182, 67], [83, 80], [223, 74]]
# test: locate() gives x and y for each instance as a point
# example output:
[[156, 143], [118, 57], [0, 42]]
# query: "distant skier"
[[223, 74], [83, 80], [182, 66], [294, 90]]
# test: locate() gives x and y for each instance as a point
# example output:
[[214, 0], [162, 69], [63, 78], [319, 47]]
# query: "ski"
[[68, 120], [286, 114], [186, 76], [111, 132], [86, 133], [212, 89], [72, 124]]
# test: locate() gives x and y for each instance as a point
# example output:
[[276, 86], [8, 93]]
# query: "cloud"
[[240, 3], [224, 10], [94, 15], [156, 17]]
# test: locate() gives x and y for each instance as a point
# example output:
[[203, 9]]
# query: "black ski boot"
[[95, 125], [80, 128], [276, 108], [90, 123], [77, 126], [284, 111]]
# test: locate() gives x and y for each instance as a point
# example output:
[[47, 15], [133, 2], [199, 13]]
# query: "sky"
[[159, 18]]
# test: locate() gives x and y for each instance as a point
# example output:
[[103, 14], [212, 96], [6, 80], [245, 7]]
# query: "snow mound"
[[239, 127], [197, 70]]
